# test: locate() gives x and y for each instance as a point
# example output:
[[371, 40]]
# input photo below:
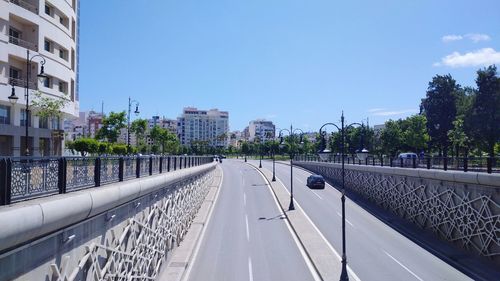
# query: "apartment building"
[[262, 130], [165, 123], [33, 32], [208, 126]]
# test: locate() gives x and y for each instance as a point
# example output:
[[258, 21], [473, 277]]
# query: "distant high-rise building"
[[262, 130], [207, 126], [44, 31]]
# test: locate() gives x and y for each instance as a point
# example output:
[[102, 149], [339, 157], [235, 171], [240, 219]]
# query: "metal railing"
[[23, 4], [24, 178], [469, 164], [23, 43], [22, 83]]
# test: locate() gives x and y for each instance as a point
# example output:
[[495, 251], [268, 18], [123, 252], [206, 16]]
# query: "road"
[[247, 237], [374, 250]]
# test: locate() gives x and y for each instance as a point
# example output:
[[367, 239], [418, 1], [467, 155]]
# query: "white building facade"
[[32, 31], [262, 130], [206, 126]]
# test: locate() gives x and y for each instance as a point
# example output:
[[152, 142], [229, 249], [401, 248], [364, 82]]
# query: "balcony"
[[26, 5], [23, 43], [19, 82]]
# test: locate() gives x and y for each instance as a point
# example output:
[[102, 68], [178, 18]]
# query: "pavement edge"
[[183, 257]]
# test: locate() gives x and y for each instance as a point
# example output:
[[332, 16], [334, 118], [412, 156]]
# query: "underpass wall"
[[121, 231], [462, 208]]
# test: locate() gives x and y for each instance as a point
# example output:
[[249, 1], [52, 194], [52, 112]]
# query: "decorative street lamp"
[[136, 111], [291, 134], [274, 160], [362, 154], [13, 98]]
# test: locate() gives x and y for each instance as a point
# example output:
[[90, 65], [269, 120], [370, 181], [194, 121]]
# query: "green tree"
[[139, 127], [483, 120], [111, 126], [391, 137], [439, 107], [415, 136], [46, 106]]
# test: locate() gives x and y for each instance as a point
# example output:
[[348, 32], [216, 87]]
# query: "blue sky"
[[299, 62]]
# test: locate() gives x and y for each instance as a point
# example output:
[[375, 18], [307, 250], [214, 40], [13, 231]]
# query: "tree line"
[[106, 140], [453, 121]]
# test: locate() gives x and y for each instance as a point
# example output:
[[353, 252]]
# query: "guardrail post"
[[168, 163], [414, 162], [381, 161], [466, 164], [401, 162], [150, 165], [61, 174], [445, 163], [180, 163], [121, 167], [185, 162], [489, 165], [97, 171], [428, 163], [160, 168], [391, 163], [5, 180], [138, 167]]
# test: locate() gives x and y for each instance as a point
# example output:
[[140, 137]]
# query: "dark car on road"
[[316, 181]]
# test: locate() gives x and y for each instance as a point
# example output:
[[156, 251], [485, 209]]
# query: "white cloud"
[[476, 37], [481, 57], [451, 38], [375, 109], [395, 112]]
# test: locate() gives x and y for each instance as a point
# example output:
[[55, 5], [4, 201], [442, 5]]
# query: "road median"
[[324, 258]]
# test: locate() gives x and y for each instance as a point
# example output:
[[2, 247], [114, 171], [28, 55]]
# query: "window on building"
[[63, 53], [48, 10], [48, 46], [14, 35], [47, 82], [4, 114], [14, 73], [43, 123], [63, 87], [54, 123], [23, 118]]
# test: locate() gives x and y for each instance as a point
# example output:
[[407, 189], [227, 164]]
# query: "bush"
[[104, 148], [119, 149], [86, 145]]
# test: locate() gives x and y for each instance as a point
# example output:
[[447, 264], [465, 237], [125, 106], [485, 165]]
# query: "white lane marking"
[[294, 236], [244, 199], [403, 266], [340, 215], [202, 235], [250, 270], [317, 194], [299, 181], [351, 272], [248, 229]]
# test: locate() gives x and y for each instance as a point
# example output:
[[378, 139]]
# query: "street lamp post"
[[130, 101], [291, 133], [274, 162], [362, 154], [13, 98]]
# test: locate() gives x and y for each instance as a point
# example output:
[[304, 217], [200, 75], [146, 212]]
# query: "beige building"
[[36, 33], [208, 126]]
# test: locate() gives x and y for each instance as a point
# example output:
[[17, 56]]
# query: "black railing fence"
[[469, 164], [23, 178]]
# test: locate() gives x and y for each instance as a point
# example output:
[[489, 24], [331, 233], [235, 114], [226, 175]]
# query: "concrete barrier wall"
[[109, 232], [462, 208]]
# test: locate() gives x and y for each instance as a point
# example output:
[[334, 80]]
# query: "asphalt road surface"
[[246, 237], [374, 250]]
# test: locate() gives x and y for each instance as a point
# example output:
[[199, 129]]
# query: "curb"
[[182, 257]]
